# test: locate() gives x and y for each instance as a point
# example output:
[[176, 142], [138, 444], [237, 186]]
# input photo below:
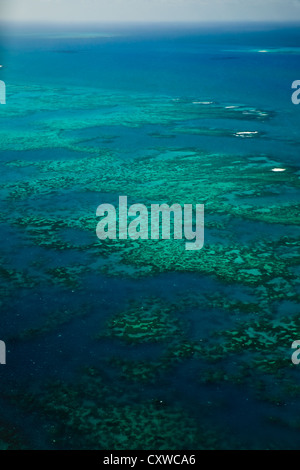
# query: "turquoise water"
[[142, 345]]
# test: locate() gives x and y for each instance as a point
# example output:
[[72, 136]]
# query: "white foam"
[[246, 133], [202, 102]]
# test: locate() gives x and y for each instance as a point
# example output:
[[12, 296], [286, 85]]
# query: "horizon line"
[[128, 22]]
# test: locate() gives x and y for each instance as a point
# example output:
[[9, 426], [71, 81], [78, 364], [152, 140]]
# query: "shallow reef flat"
[[46, 115], [92, 415], [190, 329]]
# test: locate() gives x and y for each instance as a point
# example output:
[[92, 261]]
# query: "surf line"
[[184, 222]]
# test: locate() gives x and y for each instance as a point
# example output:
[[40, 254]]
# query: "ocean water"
[[142, 344]]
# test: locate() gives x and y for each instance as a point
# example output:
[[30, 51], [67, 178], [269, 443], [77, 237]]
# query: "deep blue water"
[[130, 66]]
